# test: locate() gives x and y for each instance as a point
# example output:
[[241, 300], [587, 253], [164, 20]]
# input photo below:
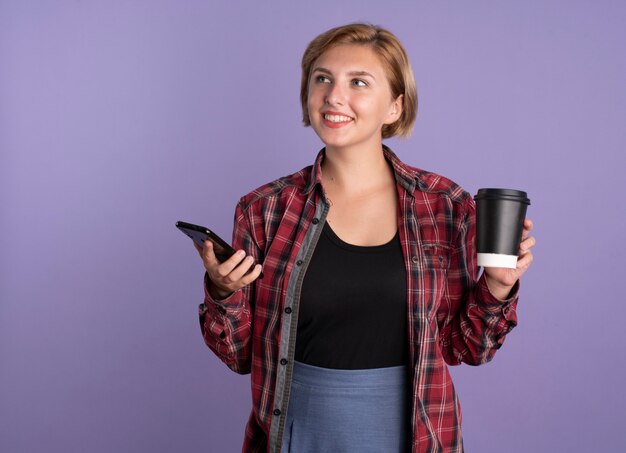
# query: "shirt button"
[[283, 361], [277, 412], [316, 221], [506, 310], [415, 260], [299, 263], [288, 310]]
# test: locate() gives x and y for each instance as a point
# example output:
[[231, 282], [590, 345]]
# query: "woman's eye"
[[359, 83], [322, 79]]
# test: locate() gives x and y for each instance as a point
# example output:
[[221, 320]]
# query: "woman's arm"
[[226, 314], [481, 310]]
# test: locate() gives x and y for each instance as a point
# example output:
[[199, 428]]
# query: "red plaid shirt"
[[452, 316]]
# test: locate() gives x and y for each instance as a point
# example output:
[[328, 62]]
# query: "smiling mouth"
[[337, 118]]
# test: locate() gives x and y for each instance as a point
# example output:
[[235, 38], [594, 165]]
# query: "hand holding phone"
[[227, 269], [199, 234]]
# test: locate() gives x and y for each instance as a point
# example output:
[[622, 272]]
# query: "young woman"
[[370, 282]]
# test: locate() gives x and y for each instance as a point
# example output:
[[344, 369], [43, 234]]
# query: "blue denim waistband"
[[313, 376]]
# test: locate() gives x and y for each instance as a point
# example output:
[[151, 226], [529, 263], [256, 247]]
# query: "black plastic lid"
[[502, 194]]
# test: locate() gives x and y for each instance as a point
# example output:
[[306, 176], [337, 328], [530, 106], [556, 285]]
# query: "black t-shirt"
[[353, 312]]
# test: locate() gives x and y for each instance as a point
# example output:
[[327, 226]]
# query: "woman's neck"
[[355, 169]]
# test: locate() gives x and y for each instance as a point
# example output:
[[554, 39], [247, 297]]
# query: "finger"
[[210, 260], [528, 224], [252, 275], [241, 270], [527, 244], [524, 262], [226, 268], [229, 287], [527, 227]]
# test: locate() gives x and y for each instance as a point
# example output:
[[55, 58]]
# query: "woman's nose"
[[335, 95]]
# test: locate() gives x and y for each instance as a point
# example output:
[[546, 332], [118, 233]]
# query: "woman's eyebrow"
[[324, 70], [351, 73], [361, 74]]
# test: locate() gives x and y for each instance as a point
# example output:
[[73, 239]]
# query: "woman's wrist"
[[497, 289], [215, 291], [218, 293]]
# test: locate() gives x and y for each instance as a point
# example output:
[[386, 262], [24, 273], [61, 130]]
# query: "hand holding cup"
[[503, 241], [501, 279]]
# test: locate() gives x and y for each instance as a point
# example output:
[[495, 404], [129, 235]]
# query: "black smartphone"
[[199, 234]]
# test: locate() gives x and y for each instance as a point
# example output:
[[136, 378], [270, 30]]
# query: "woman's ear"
[[395, 110]]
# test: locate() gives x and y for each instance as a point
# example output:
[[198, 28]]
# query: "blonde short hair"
[[392, 56]]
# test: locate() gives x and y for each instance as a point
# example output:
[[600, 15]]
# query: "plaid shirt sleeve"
[[226, 324], [477, 322]]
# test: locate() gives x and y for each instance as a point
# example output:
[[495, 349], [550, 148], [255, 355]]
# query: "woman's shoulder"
[[427, 182], [297, 182], [431, 182], [441, 194]]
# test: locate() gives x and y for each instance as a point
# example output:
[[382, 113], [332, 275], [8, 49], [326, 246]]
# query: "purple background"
[[119, 118]]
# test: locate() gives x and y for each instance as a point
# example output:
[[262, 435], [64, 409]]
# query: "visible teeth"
[[337, 118]]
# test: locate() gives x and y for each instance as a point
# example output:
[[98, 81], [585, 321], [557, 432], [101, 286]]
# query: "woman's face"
[[349, 97]]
